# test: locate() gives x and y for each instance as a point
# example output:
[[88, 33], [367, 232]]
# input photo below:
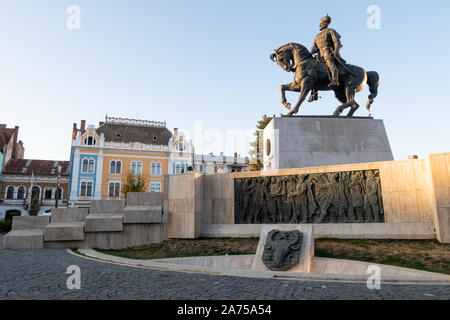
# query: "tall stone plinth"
[[310, 141]]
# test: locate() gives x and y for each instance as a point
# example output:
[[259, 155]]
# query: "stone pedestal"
[[306, 248], [310, 141]]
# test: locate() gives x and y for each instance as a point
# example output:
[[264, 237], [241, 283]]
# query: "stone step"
[[24, 239], [106, 206], [144, 199], [103, 222], [64, 231], [142, 214]]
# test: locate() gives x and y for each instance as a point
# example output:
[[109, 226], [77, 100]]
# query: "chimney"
[[20, 150], [175, 132], [83, 125], [16, 134], [74, 131]]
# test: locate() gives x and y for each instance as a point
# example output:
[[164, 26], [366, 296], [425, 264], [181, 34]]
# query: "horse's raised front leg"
[[305, 89], [289, 87]]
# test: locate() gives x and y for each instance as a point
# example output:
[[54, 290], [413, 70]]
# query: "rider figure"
[[327, 45]]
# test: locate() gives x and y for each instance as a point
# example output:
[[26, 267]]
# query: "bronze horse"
[[313, 75]]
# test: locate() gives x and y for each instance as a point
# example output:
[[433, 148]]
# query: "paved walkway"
[[41, 274]]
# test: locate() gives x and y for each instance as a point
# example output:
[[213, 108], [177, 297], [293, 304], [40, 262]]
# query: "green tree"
[[256, 146], [35, 206], [135, 183]]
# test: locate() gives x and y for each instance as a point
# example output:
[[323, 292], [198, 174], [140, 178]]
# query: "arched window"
[[136, 167], [21, 193], [90, 141], [88, 166], [10, 192], [180, 146], [48, 193], [85, 165], [156, 169], [115, 167], [91, 166], [35, 192], [58, 193]]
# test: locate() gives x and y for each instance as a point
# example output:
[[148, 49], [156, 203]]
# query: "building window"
[[114, 189], [35, 192], [21, 193], [180, 146], [48, 193], [90, 141], [156, 169], [58, 193], [91, 166], [136, 167], [84, 167], [10, 192], [86, 189], [155, 186], [115, 167], [87, 166]]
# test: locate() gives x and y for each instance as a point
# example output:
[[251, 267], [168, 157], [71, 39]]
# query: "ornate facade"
[[101, 157], [24, 179]]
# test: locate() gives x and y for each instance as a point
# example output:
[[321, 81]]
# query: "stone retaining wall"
[[413, 191]]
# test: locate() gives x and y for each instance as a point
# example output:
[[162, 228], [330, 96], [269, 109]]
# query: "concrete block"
[[103, 222], [24, 239], [106, 206], [69, 215], [142, 214], [306, 251], [64, 231], [443, 224], [30, 222], [307, 141], [144, 199], [331, 230]]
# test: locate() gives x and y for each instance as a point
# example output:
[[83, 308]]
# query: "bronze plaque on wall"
[[340, 197]]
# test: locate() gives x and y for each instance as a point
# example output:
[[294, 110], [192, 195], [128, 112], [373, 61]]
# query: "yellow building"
[[101, 157]]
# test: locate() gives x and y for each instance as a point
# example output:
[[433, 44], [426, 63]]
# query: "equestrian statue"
[[326, 71]]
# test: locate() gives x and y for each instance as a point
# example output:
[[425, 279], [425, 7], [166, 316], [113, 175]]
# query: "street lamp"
[[58, 190]]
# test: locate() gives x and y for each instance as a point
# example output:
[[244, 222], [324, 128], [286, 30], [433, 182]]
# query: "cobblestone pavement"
[[41, 274]]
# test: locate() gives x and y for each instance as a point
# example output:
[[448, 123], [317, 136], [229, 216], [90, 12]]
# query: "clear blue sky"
[[183, 61]]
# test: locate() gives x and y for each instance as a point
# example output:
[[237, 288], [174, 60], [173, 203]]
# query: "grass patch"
[[189, 248], [5, 226], [427, 255]]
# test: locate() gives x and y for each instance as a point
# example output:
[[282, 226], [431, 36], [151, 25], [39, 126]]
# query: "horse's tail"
[[373, 80]]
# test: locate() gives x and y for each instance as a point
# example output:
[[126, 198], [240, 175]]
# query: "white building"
[[210, 163]]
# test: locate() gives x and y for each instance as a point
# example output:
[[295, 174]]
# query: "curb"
[[149, 264]]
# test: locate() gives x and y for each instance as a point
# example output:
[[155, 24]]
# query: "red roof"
[[42, 167], [5, 136]]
